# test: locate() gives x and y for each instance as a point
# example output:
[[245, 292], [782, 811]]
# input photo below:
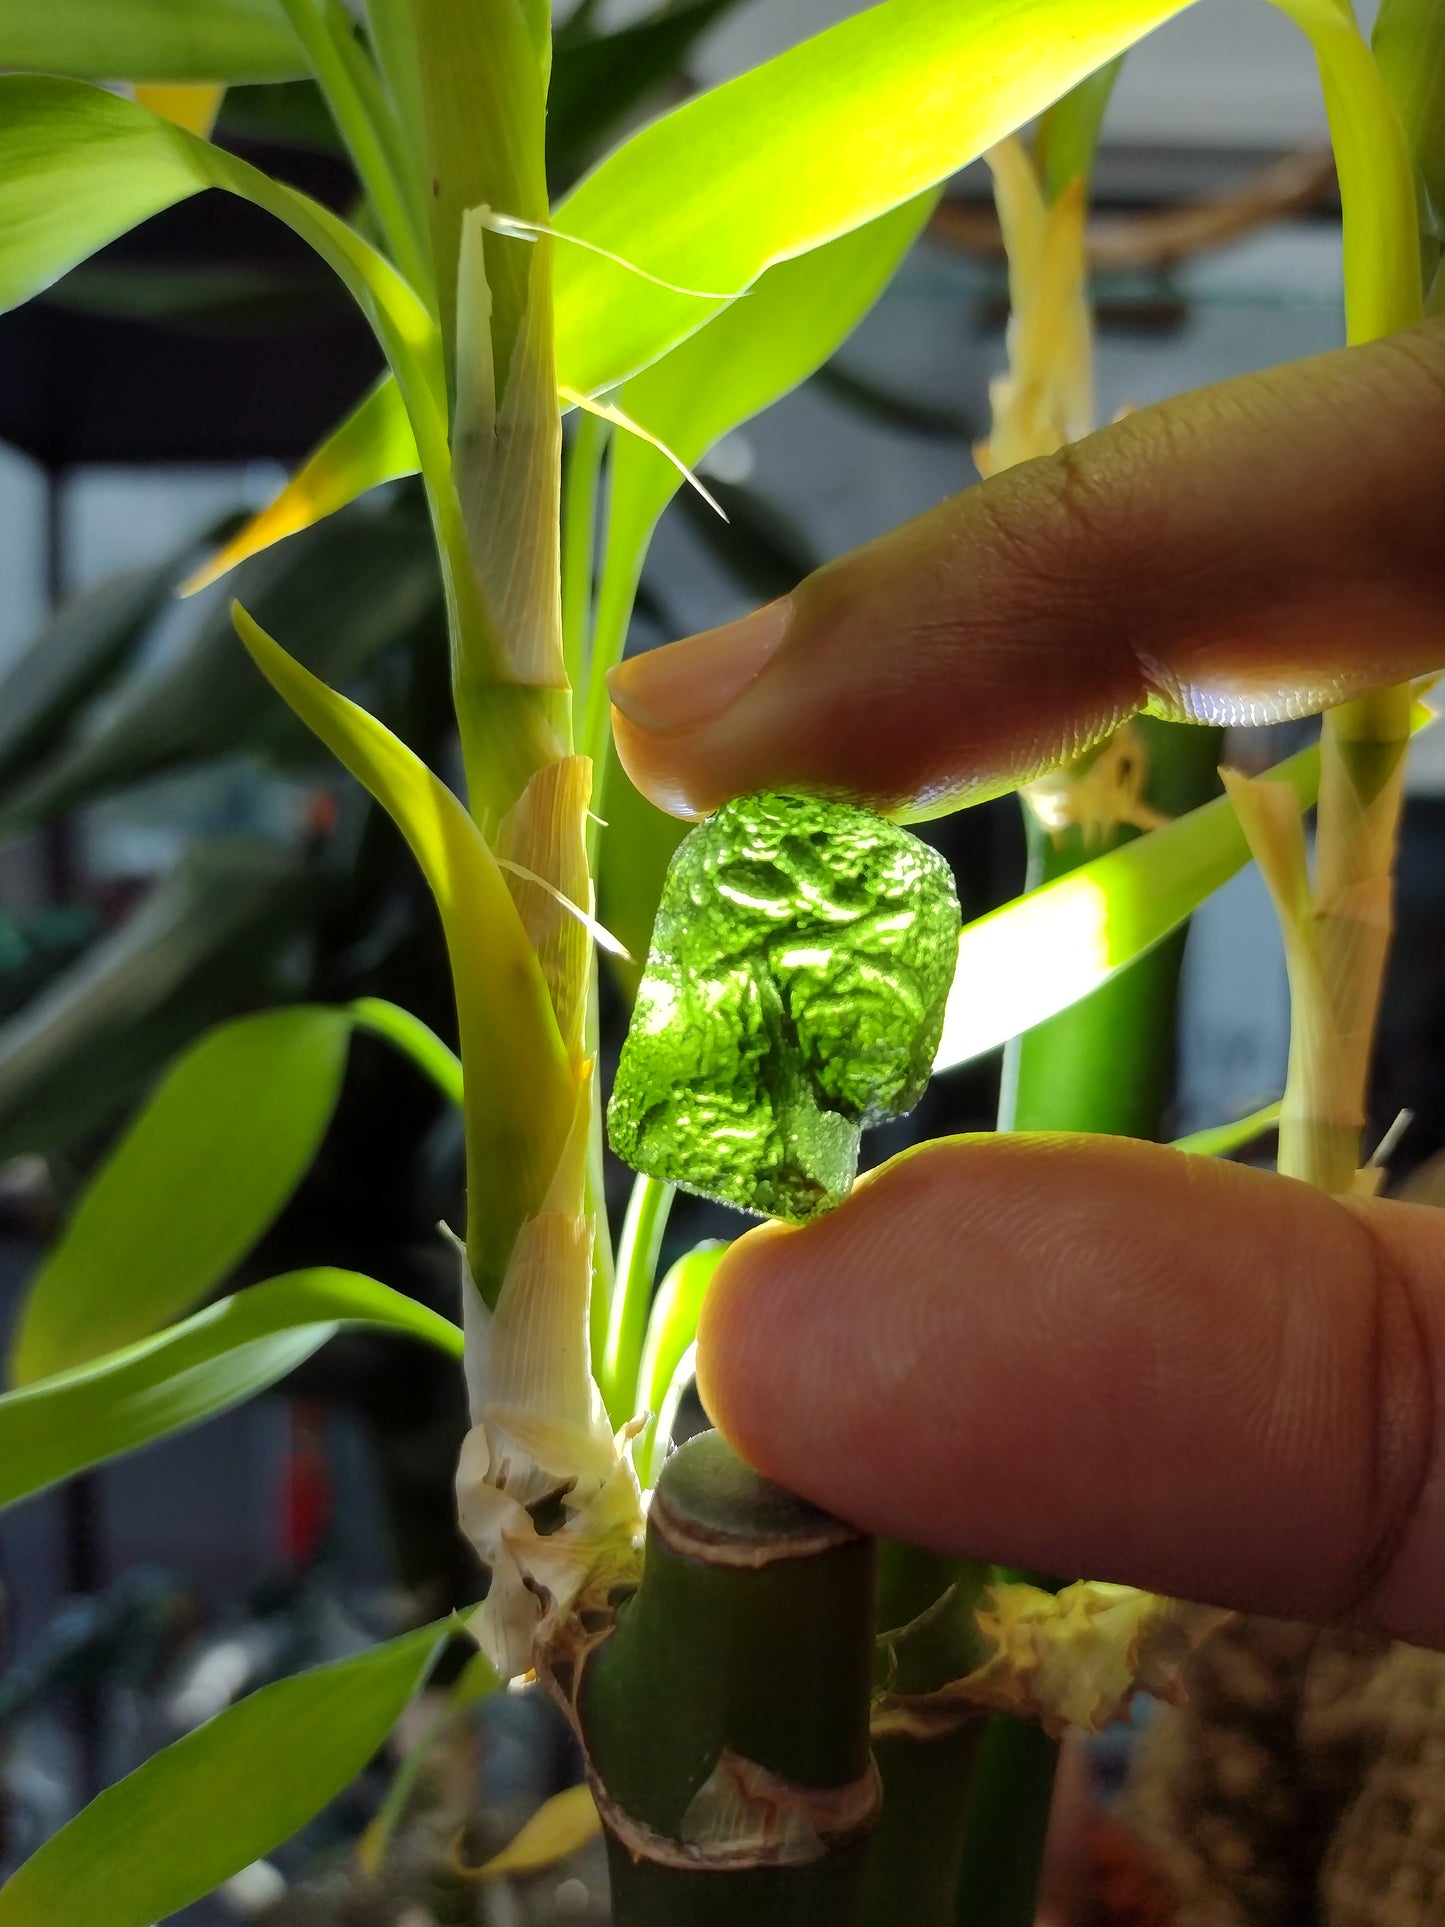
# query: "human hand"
[[1087, 1355]]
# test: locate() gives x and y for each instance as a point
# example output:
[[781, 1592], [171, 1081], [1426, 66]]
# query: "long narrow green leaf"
[[414, 1039], [757, 350], [1222, 1140], [519, 1099], [342, 593], [215, 1359], [671, 1333], [1037, 955], [374, 444], [1409, 48], [222, 1797], [197, 1178], [73, 655], [820, 140], [93, 1041], [163, 40], [79, 166]]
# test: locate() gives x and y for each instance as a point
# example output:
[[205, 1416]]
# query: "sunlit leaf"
[[520, 1100], [197, 1178], [211, 1361], [155, 40], [671, 1331], [373, 445], [79, 166], [1044, 951], [827, 136], [600, 79], [223, 1796]]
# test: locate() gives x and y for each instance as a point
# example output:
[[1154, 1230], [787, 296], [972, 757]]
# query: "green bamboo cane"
[[1102, 1066], [726, 1717]]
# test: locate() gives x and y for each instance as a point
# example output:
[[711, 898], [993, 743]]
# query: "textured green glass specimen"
[[794, 992]]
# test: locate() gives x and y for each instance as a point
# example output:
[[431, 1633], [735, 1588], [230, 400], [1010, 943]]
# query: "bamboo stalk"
[[726, 1717], [914, 1859]]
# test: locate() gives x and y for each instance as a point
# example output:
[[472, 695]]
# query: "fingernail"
[[687, 683]]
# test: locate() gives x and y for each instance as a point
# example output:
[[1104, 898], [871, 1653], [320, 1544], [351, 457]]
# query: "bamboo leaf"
[[671, 1332], [559, 1827], [79, 166], [92, 1042], [76, 652], [1044, 951], [1409, 48], [414, 1039], [197, 1178], [373, 445], [223, 1796], [1222, 1140], [342, 593], [820, 140], [213, 1360], [153, 40], [519, 1104]]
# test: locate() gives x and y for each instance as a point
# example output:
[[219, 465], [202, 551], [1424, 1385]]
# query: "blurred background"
[[174, 850]]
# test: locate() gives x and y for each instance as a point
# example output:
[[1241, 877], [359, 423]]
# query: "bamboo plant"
[[704, 267]]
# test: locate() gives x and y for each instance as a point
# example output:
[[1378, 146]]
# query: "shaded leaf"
[[344, 592], [671, 1332], [414, 1039], [159, 40], [211, 1361], [86, 1048], [600, 79], [221, 1797], [199, 1175]]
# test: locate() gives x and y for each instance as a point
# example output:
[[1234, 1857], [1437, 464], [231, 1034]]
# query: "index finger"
[[1263, 547]]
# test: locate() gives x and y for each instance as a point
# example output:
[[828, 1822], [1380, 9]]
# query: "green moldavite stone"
[[794, 992]]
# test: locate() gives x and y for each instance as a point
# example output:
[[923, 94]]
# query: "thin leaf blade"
[[223, 1796], [197, 1178], [504, 1009], [1035, 956], [209, 1362], [177, 41]]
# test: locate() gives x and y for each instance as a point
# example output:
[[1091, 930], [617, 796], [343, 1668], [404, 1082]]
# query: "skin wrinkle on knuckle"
[[1400, 1392]]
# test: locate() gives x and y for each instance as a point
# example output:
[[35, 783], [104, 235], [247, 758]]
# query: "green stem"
[[917, 1848], [726, 1718], [638, 1250], [1006, 1826], [364, 139], [1104, 1064]]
